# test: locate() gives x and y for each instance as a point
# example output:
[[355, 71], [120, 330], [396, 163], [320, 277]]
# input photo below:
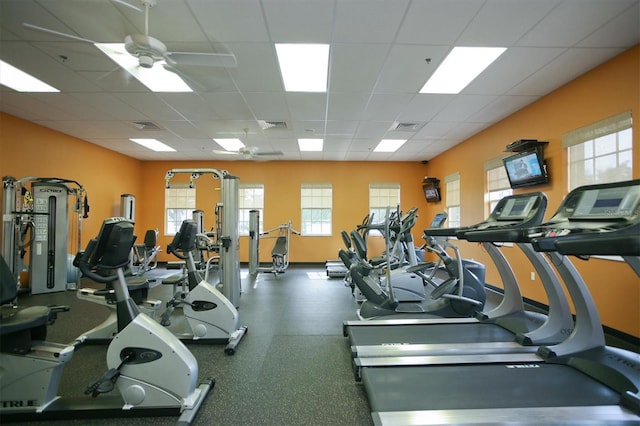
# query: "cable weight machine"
[[35, 220], [228, 239]]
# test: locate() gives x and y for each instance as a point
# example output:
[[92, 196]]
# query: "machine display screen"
[[517, 208], [608, 203]]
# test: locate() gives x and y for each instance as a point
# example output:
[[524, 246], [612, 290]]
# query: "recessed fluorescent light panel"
[[304, 67], [153, 144], [20, 81], [459, 69], [389, 145], [310, 145], [230, 144], [156, 78]]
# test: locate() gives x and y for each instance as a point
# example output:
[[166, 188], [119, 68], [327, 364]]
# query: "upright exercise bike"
[[209, 314], [155, 374]]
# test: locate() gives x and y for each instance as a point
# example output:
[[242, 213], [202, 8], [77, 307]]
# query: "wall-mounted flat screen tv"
[[526, 168], [431, 190]]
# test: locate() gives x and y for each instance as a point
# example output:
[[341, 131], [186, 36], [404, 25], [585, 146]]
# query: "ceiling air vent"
[[272, 125], [145, 125], [407, 127]]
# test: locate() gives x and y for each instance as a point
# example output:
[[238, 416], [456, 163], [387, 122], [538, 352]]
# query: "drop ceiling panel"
[[113, 26], [150, 104], [268, 105], [307, 106], [566, 67], [572, 21], [494, 24], [423, 108], [437, 22], [386, 107], [257, 69], [406, 69], [294, 21], [110, 106], [368, 21], [355, 67], [623, 30], [346, 106], [247, 26], [511, 68]]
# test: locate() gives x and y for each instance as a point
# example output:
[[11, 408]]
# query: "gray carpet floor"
[[292, 368]]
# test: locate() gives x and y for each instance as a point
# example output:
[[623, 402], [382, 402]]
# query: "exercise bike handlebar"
[[81, 261]]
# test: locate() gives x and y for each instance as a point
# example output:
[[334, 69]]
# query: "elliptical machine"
[[154, 372], [210, 315], [460, 295]]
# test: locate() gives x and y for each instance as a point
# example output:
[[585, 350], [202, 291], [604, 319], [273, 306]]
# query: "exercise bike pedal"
[[104, 384], [107, 382]]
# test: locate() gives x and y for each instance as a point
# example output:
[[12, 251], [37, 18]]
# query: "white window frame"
[[601, 152], [246, 203], [383, 196], [497, 184], [181, 198], [316, 202], [452, 199]]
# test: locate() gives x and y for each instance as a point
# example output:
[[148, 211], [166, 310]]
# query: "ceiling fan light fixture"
[[145, 61]]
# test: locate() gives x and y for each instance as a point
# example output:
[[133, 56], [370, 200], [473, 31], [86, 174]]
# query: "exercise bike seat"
[[17, 330]]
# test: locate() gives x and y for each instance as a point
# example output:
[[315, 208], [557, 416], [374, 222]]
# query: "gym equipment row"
[[558, 372], [33, 367]]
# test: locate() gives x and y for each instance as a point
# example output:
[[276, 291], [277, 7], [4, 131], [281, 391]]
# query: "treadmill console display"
[[516, 208], [593, 209], [607, 203]]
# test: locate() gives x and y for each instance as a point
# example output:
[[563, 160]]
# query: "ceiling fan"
[[149, 50], [249, 153]]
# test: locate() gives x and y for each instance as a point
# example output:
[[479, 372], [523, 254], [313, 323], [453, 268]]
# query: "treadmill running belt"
[[482, 386], [419, 334]]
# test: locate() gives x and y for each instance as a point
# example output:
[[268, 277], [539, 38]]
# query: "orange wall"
[[282, 180], [605, 91], [28, 149], [31, 150]]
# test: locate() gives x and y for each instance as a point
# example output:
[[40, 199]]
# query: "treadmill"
[[580, 380], [513, 332]]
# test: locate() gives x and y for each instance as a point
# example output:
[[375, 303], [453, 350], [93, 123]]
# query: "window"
[[600, 152], [179, 204], [250, 197], [498, 185], [381, 197], [452, 200], [316, 208]]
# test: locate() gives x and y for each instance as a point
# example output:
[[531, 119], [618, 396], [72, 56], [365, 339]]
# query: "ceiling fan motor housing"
[[146, 48]]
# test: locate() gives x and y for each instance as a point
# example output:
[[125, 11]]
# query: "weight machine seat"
[[280, 247], [17, 330]]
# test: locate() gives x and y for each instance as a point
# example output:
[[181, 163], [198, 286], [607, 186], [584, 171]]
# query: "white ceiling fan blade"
[[56, 33], [190, 81], [267, 153], [222, 152], [226, 60], [129, 5]]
